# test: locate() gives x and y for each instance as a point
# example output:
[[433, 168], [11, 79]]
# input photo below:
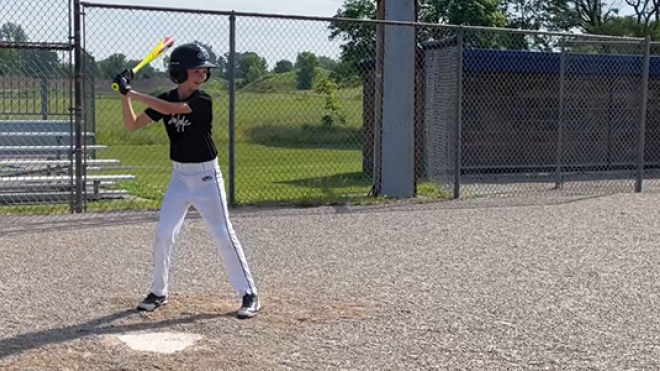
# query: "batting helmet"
[[185, 57]]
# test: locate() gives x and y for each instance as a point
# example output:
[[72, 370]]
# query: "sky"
[[135, 33], [323, 8]]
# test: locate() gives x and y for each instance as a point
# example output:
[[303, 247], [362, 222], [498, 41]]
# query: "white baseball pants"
[[200, 185]]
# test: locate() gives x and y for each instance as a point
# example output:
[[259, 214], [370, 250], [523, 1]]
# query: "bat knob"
[[115, 86]]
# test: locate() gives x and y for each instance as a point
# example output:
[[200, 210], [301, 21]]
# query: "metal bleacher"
[[37, 164]]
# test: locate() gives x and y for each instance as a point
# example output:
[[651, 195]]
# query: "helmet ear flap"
[[178, 76]]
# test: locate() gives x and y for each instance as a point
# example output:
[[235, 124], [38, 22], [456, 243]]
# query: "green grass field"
[[283, 153], [263, 174]]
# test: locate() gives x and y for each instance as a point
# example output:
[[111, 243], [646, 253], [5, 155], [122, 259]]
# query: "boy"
[[187, 113]]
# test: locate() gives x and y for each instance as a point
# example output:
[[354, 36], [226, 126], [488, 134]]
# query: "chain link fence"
[[36, 93], [287, 130], [524, 114], [300, 114]]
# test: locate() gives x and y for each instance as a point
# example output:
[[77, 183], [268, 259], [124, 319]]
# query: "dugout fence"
[[510, 114]]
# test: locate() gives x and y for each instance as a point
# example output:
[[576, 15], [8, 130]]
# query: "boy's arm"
[[160, 105], [132, 122]]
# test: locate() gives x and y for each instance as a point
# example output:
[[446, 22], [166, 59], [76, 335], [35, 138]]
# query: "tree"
[[283, 66], [31, 62], [620, 26], [327, 63], [306, 64], [359, 40], [644, 11], [251, 66], [592, 14], [552, 15], [10, 61], [628, 26], [13, 32], [589, 16], [40, 63], [597, 17], [487, 13], [108, 68]]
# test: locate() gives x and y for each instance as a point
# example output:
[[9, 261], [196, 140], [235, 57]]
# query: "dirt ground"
[[564, 286]]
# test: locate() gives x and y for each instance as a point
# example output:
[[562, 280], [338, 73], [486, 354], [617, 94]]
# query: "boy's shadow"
[[99, 326]]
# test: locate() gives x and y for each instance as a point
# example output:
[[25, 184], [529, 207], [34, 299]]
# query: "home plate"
[[160, 342]]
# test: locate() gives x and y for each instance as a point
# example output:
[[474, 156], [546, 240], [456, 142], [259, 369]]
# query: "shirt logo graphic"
[[179, 122]]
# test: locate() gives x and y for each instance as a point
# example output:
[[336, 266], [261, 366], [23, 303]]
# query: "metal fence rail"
[[299, 116]]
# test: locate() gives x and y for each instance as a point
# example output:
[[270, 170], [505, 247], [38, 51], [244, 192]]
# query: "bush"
[[333, 108]]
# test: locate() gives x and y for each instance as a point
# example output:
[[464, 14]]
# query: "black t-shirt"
[[190, 134]]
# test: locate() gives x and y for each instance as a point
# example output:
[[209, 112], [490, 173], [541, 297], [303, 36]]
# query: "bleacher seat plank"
[[45, 162], [60, 178]]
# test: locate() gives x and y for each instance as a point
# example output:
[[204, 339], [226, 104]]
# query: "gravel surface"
[[565, 286]]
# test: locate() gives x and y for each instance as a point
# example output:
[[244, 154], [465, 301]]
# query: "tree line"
[[250, 66], [30, 62]]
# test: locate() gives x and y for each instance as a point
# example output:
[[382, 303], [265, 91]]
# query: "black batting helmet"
[[185, 57]]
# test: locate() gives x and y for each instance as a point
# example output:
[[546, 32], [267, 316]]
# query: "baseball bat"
[[159, 50]]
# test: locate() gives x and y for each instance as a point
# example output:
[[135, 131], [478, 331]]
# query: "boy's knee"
[[164, 234]]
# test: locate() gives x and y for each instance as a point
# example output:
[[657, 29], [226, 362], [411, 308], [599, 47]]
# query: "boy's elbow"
[[130, 126]]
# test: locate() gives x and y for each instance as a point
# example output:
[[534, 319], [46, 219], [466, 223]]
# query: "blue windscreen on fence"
[[526, 62]]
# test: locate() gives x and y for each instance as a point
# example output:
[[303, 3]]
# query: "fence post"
[[560, 125], [44, 97], [78, 64], [232, 108], [642, 123], [378, 106], [459, 115]]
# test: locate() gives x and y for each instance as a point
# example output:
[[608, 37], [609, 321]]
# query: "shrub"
[[332, 106]]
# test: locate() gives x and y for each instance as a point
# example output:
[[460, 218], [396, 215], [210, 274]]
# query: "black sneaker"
[[250, 307], [151, 302]]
